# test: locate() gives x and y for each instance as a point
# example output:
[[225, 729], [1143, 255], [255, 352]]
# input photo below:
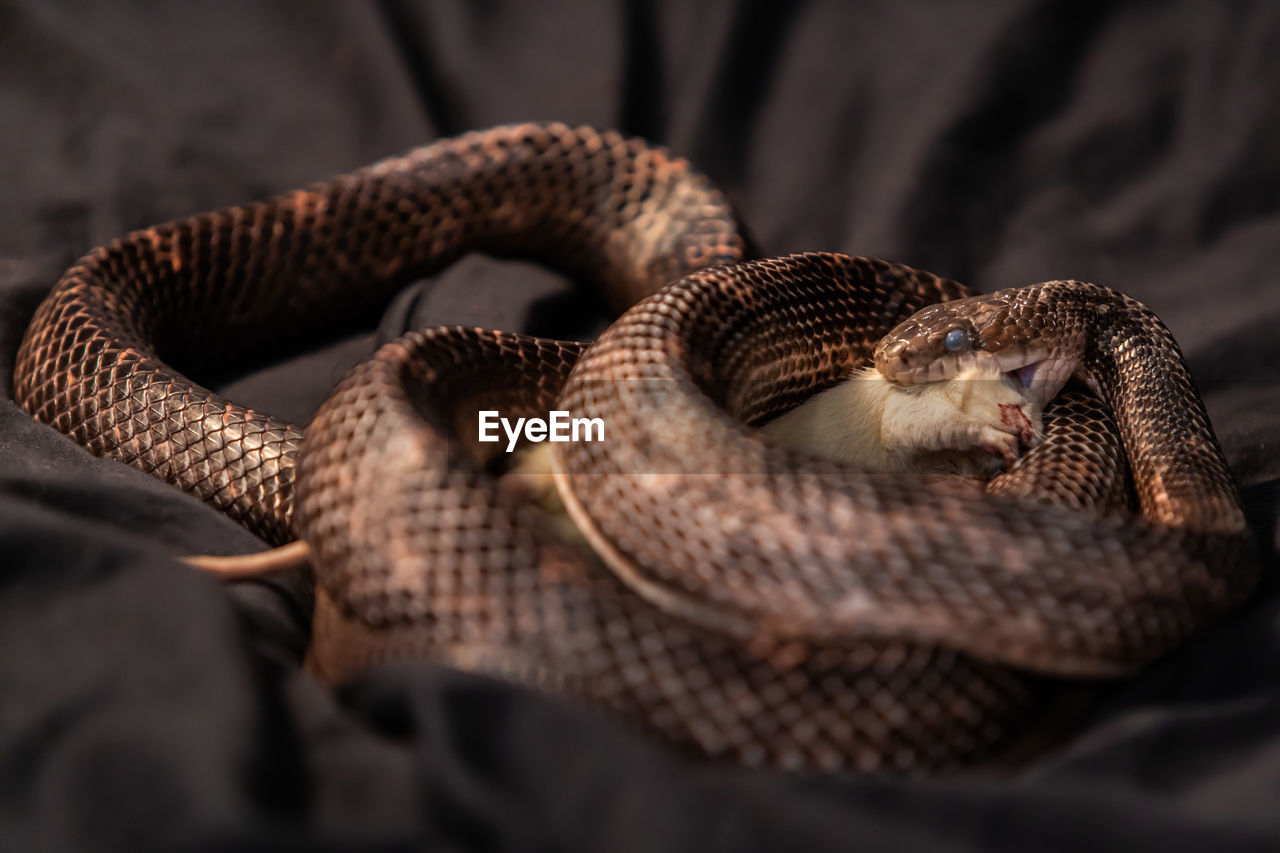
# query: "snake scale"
[[751, 603]]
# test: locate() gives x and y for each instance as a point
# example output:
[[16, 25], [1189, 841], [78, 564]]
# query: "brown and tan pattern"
[[95, 362], [802, 548], [752, 605]]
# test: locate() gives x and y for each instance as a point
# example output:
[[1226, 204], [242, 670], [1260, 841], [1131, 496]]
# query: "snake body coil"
[[757, 606]]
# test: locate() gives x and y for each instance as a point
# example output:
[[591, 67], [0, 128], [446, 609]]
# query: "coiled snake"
[[761, 606]]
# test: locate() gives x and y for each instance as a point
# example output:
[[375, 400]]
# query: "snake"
[[745, 602]]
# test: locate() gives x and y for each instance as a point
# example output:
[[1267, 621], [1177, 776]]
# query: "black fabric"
[[143, 706]]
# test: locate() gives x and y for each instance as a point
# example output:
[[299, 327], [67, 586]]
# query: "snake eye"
[[956, 340]]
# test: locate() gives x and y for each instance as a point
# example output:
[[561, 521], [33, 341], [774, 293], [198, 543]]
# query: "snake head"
[[1006, 332]]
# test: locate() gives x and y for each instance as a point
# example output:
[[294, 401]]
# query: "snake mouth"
[[1024, 366], [1037, 371], [1040, 374], [1026, 374]]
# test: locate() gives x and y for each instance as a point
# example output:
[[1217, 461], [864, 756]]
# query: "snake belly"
[[752, 605]]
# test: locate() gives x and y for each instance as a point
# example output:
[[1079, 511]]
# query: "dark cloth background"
[[143, 706]]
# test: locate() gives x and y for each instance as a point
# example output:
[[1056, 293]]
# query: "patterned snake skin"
[[750, 603]]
